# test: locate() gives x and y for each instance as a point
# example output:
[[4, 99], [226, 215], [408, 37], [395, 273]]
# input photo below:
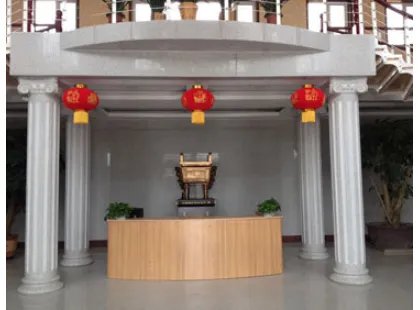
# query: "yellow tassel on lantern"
[[308, 116], [197, 117], [81, 117]]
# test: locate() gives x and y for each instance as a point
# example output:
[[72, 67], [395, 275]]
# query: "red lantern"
[[197, 100], [80, 99], [308, 99]]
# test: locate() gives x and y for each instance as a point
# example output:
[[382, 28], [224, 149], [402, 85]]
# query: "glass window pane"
[[315, 9], [208, 10], [393, 18], [45, 12], [143, 12], [69, 16], [396, 37], [245, 13], [337, 15]]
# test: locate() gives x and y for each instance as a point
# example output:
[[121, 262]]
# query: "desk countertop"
[[231, 218]]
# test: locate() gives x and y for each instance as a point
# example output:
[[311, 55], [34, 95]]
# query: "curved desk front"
[[194, 248]]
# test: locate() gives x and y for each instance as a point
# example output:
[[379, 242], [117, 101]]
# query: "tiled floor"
[[304, 285]]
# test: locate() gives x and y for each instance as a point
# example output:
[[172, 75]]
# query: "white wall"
[[256, 162]]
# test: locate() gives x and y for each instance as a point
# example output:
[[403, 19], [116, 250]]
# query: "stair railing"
[[20, 18], [359, 11]]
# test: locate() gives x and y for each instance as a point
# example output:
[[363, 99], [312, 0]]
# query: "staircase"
[[394, 69]]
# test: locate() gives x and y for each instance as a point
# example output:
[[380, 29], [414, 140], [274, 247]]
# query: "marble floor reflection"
[[304, 285]]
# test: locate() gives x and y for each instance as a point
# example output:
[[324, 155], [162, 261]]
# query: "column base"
[[76, 260], [351, 278], [311, 254], [32, 286]]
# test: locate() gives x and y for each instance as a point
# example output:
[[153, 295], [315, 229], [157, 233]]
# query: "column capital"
[[38, 86], [348, 85]]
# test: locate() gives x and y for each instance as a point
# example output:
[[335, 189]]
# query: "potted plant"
[[157, 7], [387, 153], [16, 141], [269, 207], [188, 9], [121, 7], [270, 11], [118, 211]]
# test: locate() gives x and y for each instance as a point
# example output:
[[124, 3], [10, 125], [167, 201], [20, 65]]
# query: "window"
[[396, 20], [336, 15], [245, 13], [315, 10], [143, 12], [45, 13]]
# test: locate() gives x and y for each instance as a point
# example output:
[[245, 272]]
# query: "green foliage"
[[117, 210], [387, 152], [16, 141], [16, 154], [269, 6], [269, 206], [157, 6], [121, 5]]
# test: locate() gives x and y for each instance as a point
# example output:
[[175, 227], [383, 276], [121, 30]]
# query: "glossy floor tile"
[[304, 285]]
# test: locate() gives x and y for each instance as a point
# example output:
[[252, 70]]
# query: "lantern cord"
[[308, 116], [198, 117], [81, 117]]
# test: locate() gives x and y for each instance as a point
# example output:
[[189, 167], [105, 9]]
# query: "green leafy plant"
[[117, 210], [16, 154], [387, 153], [16, 141], [121, 5], [157, 6], [193, 1], [268, 206], [270, 5]]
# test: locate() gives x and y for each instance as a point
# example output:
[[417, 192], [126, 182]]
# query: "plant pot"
[[158, 16], [120, 17], [188, 10], [11, 245], [270, 214], [382, 236], [271, 18]]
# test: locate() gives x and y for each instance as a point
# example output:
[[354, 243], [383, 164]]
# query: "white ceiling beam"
[[168, 96]]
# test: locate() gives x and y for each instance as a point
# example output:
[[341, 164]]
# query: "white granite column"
[[41, 240], [313, 237], [76, 239], [346, 180]]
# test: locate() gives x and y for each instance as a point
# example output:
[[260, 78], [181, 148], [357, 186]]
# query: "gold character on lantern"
[[73, 96], [200, 96], [92, 99]]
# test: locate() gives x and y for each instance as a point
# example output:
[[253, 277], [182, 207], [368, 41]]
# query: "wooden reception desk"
[[193, 249]]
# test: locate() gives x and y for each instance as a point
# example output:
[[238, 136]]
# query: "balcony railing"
[[372, 19], [357, 17]]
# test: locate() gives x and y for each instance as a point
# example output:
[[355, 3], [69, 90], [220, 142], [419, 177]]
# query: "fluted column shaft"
[[76, 239], [313, 237], [346, 174], [41, 240]]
